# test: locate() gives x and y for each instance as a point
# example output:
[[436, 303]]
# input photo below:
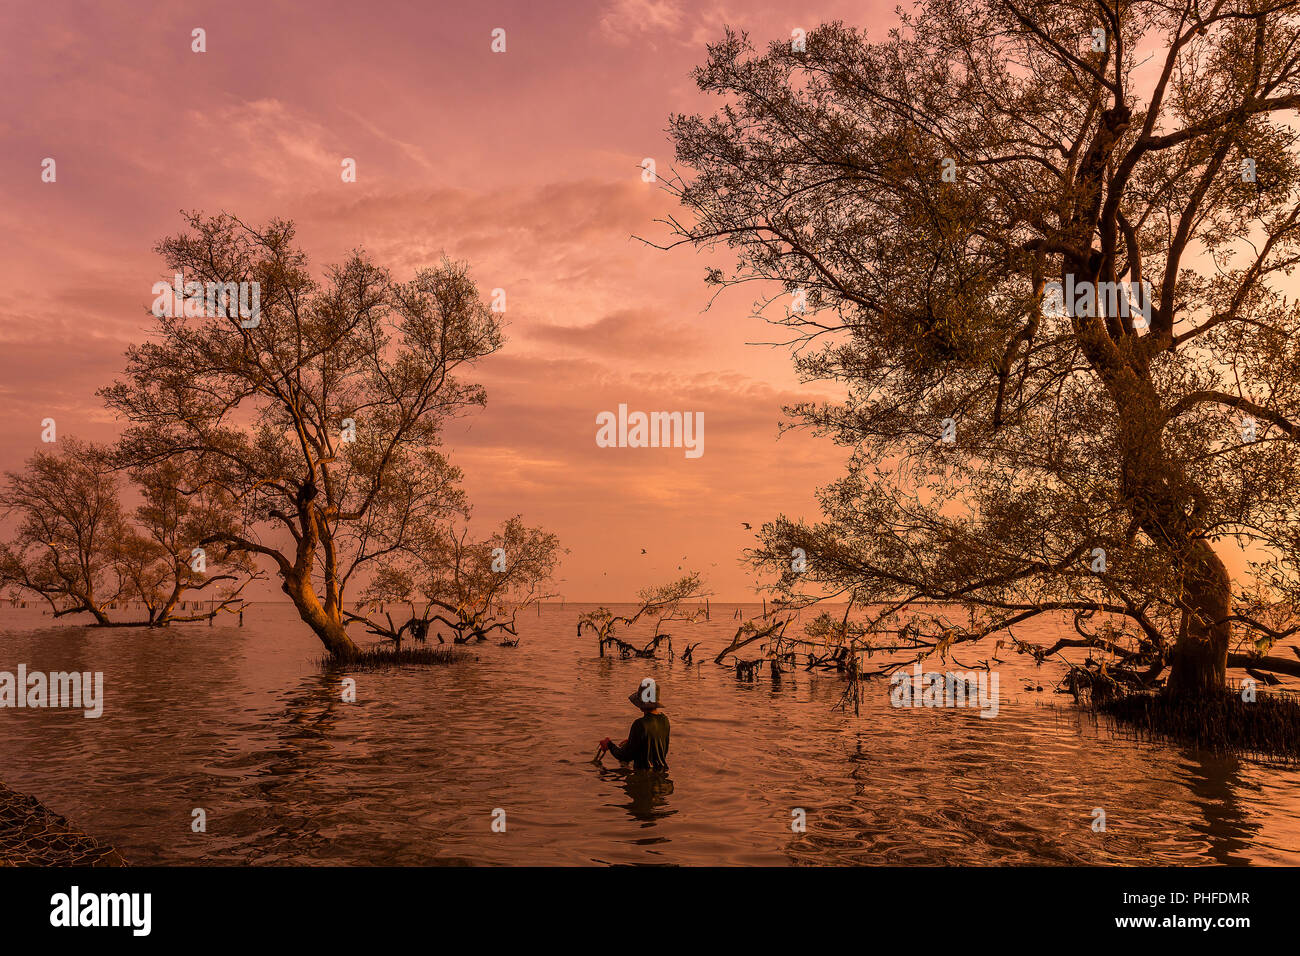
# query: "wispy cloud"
[[625, 20]]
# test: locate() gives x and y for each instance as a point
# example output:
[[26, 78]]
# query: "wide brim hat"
[[648, 695]]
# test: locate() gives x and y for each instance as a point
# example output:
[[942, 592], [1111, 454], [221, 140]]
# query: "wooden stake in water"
[[854, 678]]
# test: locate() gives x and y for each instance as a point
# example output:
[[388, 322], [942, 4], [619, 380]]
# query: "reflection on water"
[[242, 723], [1216, 782], [647, 792]]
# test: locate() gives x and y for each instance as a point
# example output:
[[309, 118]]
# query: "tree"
[[663, 602], [1017, 450], [321, 415], [69, 523], [472, 588], [76, 548], [163, 561]]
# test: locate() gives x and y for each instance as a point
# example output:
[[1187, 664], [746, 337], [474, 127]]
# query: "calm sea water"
[[245, 725]]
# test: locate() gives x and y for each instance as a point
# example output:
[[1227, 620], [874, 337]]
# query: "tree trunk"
[[164, 615], [1199, 663], [328, 628], [1162, 499]]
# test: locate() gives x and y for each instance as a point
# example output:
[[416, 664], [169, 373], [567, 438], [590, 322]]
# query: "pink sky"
[[526, 164]]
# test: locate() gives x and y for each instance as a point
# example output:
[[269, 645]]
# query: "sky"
[[526, 164]]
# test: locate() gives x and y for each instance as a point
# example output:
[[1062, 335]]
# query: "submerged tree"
[[1020, 448], [663, 602], [76, 548], [69, 523], [320, 415], [445, 579], [162, 557]]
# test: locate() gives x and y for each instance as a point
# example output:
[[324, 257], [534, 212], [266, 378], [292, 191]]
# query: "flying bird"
[[643, 550], [747, 525]]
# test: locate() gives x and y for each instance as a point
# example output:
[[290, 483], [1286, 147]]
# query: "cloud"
[[520, 164], [626, 334], [625, 20]]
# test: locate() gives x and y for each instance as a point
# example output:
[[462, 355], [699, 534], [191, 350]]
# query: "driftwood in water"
[[748, 633], [1280, 665], [466, 625], [626, 650], [605, 637], [836, 660], [664, 601], [852, 693]]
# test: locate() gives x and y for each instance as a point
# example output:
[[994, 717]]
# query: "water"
[[243, 724]]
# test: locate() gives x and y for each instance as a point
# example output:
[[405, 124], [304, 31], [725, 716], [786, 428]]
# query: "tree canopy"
[[912, 200], [321, 416]]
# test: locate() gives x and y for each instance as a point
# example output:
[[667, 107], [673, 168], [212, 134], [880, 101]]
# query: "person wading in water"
[[646, 746]]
